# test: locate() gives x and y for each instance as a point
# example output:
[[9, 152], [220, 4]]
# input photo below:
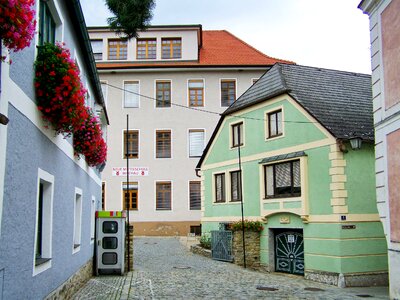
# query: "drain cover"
[[266, 288], [182, 267], [312, 289], [364, 296]]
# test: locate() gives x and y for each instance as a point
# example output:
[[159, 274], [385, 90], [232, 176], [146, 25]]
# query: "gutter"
[[78, 22]]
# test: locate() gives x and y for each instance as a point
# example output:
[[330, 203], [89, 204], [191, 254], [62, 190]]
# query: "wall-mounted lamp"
[[355, 143]]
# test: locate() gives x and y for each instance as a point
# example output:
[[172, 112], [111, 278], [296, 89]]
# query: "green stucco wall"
[[328, 247]]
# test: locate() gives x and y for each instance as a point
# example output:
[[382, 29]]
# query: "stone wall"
[[252, 248], [73, 284], [197, 249], [129, 248]]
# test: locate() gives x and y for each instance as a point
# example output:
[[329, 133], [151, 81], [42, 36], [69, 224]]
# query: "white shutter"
[[196, 143], [131, 94]]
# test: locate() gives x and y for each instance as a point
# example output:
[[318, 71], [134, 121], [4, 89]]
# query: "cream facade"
[[180, 119], [385, 54]]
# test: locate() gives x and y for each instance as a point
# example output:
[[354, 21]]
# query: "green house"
[[297, 149]]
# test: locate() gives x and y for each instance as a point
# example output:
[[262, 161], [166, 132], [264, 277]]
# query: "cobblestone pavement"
[[165, 269]]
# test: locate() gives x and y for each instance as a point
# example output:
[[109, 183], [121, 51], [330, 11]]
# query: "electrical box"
[[110, 242]]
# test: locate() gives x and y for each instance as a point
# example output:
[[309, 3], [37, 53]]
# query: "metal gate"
[[221, 245], [289, 252]]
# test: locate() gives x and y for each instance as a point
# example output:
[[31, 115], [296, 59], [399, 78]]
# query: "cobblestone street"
[[164, 268]]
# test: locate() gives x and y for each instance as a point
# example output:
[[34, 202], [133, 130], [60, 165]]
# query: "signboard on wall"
[[134, 171]]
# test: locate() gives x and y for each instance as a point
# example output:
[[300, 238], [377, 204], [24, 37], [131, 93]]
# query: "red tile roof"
[[219, 48]]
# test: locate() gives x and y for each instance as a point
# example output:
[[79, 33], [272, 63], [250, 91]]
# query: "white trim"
[[172, 196], [243, 137], [220, 91], [155, 143], [188, 194], [188, 141], [266, 127], [229, 185], [187, 92], [77, 233], [155, 93], [92, 219], [123, 93], [47, 228], [123, 143]]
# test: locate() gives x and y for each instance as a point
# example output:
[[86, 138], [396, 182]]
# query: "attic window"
[[171, 48]]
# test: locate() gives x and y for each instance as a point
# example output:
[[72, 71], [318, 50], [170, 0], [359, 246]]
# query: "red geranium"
[[17, 24], [59, 90], [88, 141]]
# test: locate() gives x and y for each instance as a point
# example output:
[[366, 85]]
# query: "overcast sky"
[[319, 33]]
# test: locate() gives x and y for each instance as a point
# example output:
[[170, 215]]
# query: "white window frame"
[[123, 143], [266, 128], [189, 141], [47, 229], [92, 219], [220, 90], [102, 48], [155, 143], [155, 93], [77, 217], [231, 147], [172, 197], [123, 93], [104, 83]]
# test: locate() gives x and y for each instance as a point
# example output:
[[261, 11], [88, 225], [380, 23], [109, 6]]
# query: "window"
[[163, 93], [146, 48], [44, 222], [195, 195], [97, 48], [117, 49], [274, 123], [47, 25], [282, 180], [163, 144], [103, 195], [237, 134], [131, 94], [236, 186], [195, 229], [196, 92], [163, 195], [219, 187], [228, 92], [77, 219], [130, 196], [131, 139], [196, 142], [171, 48], [92, 218]]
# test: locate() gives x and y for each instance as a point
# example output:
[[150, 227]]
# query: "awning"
[[283, 157]]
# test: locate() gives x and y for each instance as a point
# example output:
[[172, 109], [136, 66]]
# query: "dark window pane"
[[110, 227]]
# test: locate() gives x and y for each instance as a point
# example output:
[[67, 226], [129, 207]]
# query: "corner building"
[[172, 81]]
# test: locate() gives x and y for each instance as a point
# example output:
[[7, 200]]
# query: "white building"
[[385, 56], [172, 81]]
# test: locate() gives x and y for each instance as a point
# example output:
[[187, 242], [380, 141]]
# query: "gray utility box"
[[110, 242]]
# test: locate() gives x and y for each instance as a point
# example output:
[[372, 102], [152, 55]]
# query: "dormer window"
[[171, 48], [146, 48]]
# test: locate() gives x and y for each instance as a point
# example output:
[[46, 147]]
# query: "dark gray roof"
[[340, 101], [283, 156]]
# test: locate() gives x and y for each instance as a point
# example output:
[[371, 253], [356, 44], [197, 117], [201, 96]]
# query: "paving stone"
[[164, 268]]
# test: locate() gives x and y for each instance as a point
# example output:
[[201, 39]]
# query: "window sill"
[[41, 261], [270, 138]]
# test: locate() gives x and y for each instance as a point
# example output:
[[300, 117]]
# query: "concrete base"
[[197, 249], [163, 228], [348, 280], [73, 284], [394, 271]]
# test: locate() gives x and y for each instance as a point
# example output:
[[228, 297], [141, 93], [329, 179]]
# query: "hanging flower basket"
[[17, 24], [88, 141], [59, 91]]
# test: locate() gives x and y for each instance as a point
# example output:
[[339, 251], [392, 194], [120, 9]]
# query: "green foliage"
[[205, 241], [256, 226], [130, 15]]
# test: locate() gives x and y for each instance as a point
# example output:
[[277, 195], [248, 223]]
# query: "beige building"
[[172, 81], [385, 56]]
